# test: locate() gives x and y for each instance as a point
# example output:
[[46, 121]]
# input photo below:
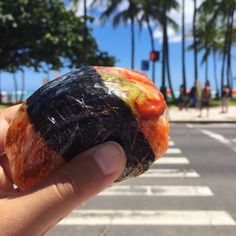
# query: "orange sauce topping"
[[153, 104], [30, 158]]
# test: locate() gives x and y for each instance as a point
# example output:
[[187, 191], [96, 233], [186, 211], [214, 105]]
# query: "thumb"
[[81, 178]]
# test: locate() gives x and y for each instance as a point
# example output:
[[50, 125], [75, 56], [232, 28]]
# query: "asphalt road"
[[190, 191]]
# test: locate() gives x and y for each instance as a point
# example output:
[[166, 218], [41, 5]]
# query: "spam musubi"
[[83, 108]]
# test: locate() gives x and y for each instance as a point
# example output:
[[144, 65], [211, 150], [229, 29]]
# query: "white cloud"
[[96, 9], [176, 15], [100, 6], [80, 7]]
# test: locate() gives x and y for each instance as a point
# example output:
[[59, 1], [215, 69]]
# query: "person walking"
[[205, 98], [181, 98], [225, 99], [192, 98]]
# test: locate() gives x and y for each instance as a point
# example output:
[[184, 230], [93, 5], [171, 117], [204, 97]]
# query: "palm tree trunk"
[[183, 46], [168, 68], [163, 83], [85, 33], [215, 74], [22, 85], [230, 32], [224, 54], [195, 41], [166, 50], [152, 46], [206, 71], [132, 42], [15, 87]]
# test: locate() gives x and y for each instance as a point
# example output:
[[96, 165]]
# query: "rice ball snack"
[[83, 108]]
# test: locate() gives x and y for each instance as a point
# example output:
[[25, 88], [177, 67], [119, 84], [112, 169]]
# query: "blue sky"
[[117, 42]]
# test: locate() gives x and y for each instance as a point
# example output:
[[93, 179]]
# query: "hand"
[[35, 211]]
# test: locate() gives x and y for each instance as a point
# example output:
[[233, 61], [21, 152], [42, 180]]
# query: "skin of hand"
[[35, 211]]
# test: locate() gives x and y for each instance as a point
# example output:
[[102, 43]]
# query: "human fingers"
[[44, 205], [6, 183]]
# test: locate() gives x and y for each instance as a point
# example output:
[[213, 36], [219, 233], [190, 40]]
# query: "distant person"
[[192, 97], [205, 98], [198, 93], [181, 98], [225, 99]]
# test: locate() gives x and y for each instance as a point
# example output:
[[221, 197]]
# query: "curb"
[[202, 121]]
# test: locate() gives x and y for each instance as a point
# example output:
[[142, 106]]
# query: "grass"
[[2, 106], [232, 102]]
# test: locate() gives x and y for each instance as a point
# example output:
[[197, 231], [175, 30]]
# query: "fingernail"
[[110, 157]]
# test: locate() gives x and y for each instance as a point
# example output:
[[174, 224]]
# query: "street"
[[190, 191]]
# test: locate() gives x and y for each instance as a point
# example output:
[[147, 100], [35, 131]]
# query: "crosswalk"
[[173, 166]]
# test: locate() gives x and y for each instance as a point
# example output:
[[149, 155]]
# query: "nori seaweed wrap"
[[83, 108]]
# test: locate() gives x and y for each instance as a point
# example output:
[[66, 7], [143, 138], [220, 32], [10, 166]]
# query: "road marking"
[[171, 143], [173, 151], [148, 190], [169, 173], [216, 136], [172, 160], [172, 157], [144, 217], [189, 126], [220, 126]]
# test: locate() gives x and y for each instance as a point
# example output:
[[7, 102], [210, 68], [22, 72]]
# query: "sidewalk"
[[192, 115]]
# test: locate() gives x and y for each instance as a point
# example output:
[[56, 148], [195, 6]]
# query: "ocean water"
[[10, 96]]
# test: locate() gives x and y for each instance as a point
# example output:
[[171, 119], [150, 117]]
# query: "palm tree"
[[229, 48], [215, 72], [165, 22], [129, 14], [211, 37], [183, 46], [194, 41], [223, 15]]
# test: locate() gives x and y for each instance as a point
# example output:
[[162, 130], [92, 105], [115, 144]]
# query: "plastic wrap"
[[86, 107]]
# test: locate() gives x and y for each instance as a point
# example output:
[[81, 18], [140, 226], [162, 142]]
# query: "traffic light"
[[154, 56]]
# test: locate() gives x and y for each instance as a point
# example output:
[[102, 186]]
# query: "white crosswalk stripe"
[[145, 190], [171, 160], [138, 217], [170, 173], [171, 143], [173, 151]]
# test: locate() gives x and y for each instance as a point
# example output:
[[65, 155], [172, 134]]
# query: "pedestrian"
[[205, 98], [35, 211], [192, 97], [181, 98], [225, 99]]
